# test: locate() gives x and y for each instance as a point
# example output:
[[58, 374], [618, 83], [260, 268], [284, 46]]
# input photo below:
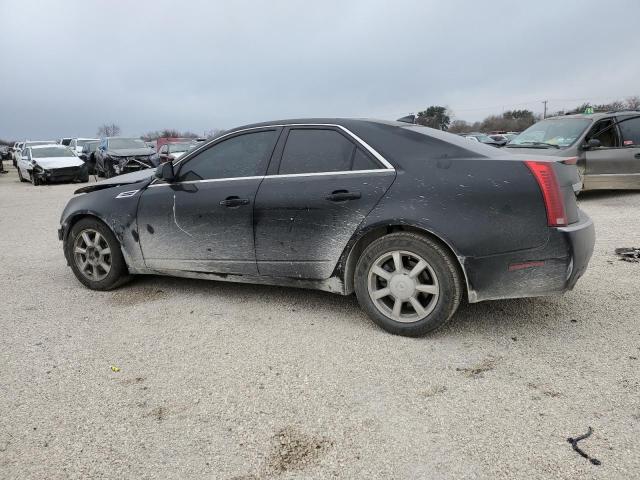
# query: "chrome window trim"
[[387, 166], [267, 177]]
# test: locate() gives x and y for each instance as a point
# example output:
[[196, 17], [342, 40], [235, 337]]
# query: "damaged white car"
[[51, 163]]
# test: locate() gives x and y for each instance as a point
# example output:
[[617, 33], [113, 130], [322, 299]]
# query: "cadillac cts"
[[409, 218]]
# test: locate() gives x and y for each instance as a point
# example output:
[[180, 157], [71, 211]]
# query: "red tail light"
[[548, 183]]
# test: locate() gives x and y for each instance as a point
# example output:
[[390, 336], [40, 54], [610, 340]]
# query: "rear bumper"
[[548, 270]]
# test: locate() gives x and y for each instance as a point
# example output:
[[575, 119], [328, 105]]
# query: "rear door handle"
[[637, 155], [234, 202], [343, 196]]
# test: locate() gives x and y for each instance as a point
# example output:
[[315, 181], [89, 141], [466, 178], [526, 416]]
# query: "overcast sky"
[[67, 67]]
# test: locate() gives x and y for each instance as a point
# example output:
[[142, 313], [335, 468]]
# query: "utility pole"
[[544, 115]]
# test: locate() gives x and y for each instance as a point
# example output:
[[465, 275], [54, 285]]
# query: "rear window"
[[439, 144]]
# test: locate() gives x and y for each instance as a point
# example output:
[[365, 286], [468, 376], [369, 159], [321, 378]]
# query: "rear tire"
[[95, 256], [408, 284]]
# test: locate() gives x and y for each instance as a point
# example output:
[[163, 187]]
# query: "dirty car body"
[[271, 203]]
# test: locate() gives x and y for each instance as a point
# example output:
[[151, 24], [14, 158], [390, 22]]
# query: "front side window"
[[606, 133], [245, 155], [314, 150], [630, 130]]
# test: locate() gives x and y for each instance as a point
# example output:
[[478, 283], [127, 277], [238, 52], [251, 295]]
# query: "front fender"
[[116, 211]]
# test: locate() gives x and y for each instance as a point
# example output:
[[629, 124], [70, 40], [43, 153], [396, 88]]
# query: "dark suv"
[[605, 146], [116, 155]]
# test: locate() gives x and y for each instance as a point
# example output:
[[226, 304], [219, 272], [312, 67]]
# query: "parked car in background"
[[76, 144], [164, 140], [321, 203], [88, 155], [5, 153], [18, 152], [605, 147], [51, 163], [170, 151], [482, 138], [117, 155], [66, 141], [500, 139]]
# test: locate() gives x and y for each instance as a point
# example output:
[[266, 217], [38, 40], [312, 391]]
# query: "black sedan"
[[409, 218]]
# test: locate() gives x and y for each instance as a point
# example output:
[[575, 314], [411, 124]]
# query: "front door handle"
[[343, 196], [637, 155], [234, 202]]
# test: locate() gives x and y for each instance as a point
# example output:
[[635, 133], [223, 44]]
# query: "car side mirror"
[[592, 143], [165, 172]]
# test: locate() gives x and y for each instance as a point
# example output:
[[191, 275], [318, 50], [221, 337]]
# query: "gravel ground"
[[231, 381]]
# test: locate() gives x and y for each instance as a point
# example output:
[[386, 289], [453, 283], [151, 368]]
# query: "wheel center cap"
[[402, 287]]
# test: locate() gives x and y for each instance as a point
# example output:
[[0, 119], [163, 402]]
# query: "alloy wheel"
[[92, 254], [403, 286]]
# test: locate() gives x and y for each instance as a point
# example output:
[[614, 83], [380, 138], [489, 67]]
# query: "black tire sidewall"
[[451, 287], [119, 271]]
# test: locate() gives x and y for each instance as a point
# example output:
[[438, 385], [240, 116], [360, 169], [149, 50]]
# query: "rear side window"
[[361, 161], [241, 156], [316, 150], [630, 129]]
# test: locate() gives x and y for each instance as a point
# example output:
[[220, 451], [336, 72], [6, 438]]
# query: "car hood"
[[141, 176], [49, 163], [130, 152]]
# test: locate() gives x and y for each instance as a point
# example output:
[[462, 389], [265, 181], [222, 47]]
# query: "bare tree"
[[214, 132], [633, 103], [108, 130]]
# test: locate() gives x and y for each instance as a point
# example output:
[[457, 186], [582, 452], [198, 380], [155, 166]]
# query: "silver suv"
[[605, 146]]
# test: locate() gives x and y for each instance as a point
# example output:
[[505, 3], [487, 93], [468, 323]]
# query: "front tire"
[[35, 181], [95, 256], [408, 284], [22, 179]]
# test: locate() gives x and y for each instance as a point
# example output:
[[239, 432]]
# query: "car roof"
[[48, 145], [596, 115], [344, 122]]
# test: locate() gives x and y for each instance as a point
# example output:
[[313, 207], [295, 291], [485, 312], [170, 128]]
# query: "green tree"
[[434, 117]]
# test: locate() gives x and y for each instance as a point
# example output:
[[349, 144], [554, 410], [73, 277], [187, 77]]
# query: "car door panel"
[[191, 226], [303, 222]]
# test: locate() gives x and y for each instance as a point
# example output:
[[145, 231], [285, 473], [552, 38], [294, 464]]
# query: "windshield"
[[47, 152], [178, 147], [82, 143], [123, 143], [560, 132]]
